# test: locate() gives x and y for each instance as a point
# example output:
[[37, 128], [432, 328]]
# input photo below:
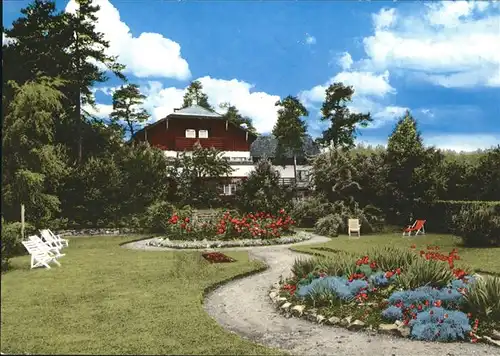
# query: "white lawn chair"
[[53, 239], [354, 226], [46, 246], [39, 257]]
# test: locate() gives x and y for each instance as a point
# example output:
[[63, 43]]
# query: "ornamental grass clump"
[[424, 272], [483, 299], [390, 258]]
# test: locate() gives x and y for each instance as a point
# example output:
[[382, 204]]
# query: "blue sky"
[[441, 60]]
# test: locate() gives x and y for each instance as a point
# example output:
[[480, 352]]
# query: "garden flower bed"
[[421, 295], [197, 244], [217, 257], [259, 229]]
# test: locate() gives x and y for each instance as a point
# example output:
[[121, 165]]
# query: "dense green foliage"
[[478, 224], [68, 167], [11, 241], [263, 191]]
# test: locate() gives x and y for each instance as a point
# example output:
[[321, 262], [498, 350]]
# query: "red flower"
[[437, 303], [413, 246], [389, 274]]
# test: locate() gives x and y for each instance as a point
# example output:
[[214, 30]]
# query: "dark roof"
[[195, 111], [266, 146]]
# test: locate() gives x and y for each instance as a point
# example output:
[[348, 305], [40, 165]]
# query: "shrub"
[[439, 324], [478, 225], [337, 287], [11, 240], [157, 215], [263, 190], [328, 225], [392, 313], [380, 279], [483, 298], [309, 210], [443, 211], [424, 272]]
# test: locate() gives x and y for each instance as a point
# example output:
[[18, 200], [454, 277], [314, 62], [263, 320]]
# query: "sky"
[[440, 60]]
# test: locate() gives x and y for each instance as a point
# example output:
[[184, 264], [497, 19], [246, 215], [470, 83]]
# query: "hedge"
[[439, 215]]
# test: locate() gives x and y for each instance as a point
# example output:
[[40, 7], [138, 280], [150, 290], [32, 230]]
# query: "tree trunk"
[[295, 168]]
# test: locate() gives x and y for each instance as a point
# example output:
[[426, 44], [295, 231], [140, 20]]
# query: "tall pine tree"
[[290, 129], [195, 96], [343, 123]]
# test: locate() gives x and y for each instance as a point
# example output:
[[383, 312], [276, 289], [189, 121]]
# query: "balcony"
[[299, 183], [184, 143]]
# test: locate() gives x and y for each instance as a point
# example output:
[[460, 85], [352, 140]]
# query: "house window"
[[203, 133], [229, 189], [190, 133], [302, 175]]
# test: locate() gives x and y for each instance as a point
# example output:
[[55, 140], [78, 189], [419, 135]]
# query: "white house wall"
[[230, 154], [285, 172], [243, 170]]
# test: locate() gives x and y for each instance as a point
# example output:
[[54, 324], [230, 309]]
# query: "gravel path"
[[244, 307]]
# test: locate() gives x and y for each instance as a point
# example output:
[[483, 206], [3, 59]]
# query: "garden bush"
[[11, 240], [443, 211], [309, 210], [328, 225], [478, 225], [157, 215]]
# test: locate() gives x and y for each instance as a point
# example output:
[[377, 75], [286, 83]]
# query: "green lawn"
[[480, 259], [109, 300]]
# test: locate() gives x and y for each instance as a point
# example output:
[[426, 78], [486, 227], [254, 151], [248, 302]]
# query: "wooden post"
[[146, 135], [246, 136], [166, 123], [22, 221], [227, 122]]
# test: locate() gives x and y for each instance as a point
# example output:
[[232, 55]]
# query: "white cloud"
[[310, 40], [451, 43], [345, 61], [148, 55], [367, 83], [388, 114], [259, 106], [462, 142], [101, 111], [364, 83], [385, 18], [369, 89]]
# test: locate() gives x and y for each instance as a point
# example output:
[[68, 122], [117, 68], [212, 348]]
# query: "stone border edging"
[[299, 236], [98, 231], [286, 308]]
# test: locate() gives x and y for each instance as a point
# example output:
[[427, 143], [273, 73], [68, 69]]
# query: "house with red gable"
[[179, 131]]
